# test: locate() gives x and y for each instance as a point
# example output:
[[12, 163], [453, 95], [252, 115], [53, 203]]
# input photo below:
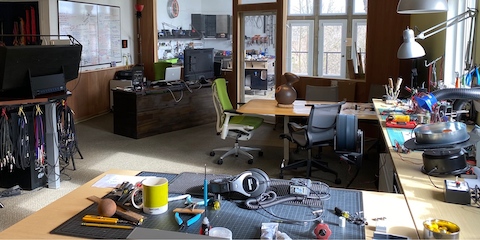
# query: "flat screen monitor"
[[198, 64], [19, 64]]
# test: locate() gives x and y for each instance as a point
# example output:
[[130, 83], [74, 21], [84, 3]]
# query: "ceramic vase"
[[286, 94]]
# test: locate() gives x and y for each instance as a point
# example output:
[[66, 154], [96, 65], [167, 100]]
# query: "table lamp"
[[411, 49], [139, 9], [421, 6]]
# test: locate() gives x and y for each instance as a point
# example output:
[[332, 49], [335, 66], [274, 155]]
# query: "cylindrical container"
[[440, 229], [154, 196], [341, 221], [220, 232]]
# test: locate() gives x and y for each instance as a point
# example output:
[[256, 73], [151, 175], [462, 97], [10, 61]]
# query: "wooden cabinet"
[[140, 115]]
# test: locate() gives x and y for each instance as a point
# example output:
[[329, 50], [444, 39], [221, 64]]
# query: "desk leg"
[[51, 138], [286, 143]]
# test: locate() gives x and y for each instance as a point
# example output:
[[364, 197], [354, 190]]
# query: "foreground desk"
[[300, 108], [424, 200], [39, 224]]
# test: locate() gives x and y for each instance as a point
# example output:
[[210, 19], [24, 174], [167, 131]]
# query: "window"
[[300, 43], [300, 7], [333, 24], [457, 42], [360, 6], [332, 48], [333, 7], [359, 42]]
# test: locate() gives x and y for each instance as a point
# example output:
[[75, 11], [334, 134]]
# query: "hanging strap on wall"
[[23, 141], [66, 132], [39, 132], [6, 150]]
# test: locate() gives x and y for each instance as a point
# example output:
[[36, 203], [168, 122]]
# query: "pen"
[[106, 225]]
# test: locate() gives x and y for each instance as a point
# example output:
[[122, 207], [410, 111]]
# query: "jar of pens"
[[392, 91]]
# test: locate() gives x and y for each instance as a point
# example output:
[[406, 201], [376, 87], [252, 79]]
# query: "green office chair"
[[232, 124]]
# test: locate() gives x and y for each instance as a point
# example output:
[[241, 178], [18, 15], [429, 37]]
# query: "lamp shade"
[[421, 6], [139, 7], [410, 48]]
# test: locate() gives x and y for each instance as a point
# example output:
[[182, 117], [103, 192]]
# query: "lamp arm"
[[470, 13]]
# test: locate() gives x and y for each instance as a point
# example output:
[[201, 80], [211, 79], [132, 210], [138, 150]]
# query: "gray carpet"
[[180, 151]]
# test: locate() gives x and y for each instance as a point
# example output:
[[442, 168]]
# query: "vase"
[[286, 94]]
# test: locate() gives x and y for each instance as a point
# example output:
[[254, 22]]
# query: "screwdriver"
[[100, 219]]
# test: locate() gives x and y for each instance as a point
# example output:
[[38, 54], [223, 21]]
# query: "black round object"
[[451, 161]]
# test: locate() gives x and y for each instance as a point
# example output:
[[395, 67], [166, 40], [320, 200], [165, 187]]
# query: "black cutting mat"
[[72, 226], [232, 216]]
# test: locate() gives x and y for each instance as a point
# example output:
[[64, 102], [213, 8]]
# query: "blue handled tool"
[[183, 224]]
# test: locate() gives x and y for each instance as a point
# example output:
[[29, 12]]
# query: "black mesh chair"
[[326, 127], [320, 131]]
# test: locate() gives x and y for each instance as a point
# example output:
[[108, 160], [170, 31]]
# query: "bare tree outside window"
[[300, 7], [333, 7], [332, 49], [299, 49]]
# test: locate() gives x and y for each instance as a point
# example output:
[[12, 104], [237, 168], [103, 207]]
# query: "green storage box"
[[159, 68]]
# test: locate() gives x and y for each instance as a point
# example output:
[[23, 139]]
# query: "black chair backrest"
[[322, 122], [321, 93]]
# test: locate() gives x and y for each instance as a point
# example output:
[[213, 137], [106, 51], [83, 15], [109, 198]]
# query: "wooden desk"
[[39, 224], [424, 200], [299, 109], [142, 114]]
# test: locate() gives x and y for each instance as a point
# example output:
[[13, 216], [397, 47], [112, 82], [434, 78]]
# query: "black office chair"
[[323, 129], [320, 131]]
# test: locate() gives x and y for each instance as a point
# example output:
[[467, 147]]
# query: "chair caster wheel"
[[212, 153], [220, 162], [280, 176], [260, 153], [338, 181], [250, 161]]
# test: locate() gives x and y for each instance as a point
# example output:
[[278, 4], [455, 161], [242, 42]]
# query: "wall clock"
[[173, 8]]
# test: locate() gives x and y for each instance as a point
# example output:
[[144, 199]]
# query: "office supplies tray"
[[244, 224]]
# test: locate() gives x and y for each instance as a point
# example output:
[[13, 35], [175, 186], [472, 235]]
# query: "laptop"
[[172, 74]]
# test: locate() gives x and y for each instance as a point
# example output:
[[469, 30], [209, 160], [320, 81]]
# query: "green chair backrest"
[[222, 94], [159, 69]]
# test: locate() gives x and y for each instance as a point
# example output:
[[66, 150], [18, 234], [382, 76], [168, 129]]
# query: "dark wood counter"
[[154, 111]]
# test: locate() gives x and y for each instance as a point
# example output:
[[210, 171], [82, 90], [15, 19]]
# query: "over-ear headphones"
[[251, 183]]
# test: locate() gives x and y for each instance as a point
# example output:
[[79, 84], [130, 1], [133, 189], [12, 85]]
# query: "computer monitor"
[[198, 64], [20, 64]]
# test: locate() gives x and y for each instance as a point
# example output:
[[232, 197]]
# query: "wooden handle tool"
[[123, 212]]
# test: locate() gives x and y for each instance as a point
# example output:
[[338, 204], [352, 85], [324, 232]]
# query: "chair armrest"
[[295, 127], [232, 111]]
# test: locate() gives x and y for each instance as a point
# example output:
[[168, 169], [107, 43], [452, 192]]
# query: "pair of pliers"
[[187, 223]]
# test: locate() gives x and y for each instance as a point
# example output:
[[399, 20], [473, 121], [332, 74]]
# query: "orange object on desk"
[[398, 124]]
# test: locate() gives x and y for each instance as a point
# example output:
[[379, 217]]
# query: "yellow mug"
[[154, 196]]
